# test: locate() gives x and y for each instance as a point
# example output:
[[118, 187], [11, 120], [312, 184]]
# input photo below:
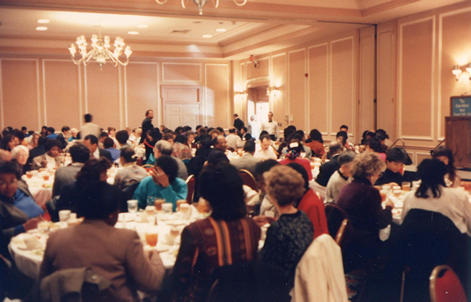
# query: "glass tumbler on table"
[[152, 238], [132, 206]]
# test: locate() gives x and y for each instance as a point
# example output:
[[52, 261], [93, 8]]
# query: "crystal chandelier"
[[201, 3], [101, 51]]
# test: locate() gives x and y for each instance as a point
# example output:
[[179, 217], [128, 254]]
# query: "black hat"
[[398, 155]]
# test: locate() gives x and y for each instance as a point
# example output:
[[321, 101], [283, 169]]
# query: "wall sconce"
[[274, 91], [462, 72]]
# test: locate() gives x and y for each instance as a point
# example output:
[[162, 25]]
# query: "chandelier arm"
[[161, 2], [244, 2]]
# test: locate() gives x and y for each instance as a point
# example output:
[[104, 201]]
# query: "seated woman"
[[50, 159], [288, 237], [113, 253], [433, 195], [446, 156], [130, 172], [163, 183], [20, 154], [316, 143], [292, 156], [225, 238], [18, 211], [311, 204], [362, 204], [342, 139], [374, 145]]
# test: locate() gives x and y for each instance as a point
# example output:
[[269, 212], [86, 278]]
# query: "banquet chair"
[[336, 221], [427, 239], [445, 285], [191, 183], [74, 285], [248, 179]]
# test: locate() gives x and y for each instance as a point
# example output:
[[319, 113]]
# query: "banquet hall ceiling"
[[261, 26]]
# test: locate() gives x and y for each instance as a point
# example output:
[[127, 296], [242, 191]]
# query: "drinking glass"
[[132, 206], [152, 238]]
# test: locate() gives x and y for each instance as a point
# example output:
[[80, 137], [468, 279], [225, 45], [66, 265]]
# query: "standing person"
[[238, 123], [344, 128], [253, 127], [147, 124], [270, 126], [89, 127]]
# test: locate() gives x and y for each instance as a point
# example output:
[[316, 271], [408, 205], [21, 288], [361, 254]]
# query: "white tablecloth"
[[28, 260]]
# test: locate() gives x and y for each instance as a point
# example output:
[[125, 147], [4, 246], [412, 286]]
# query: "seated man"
[[67, 175], [340, 177], [247, 161], [233, 140], [91, 142], [163, 183], [266, 151], [396, 158], [109, 146]]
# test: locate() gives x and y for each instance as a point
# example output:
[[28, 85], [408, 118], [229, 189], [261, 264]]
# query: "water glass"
[[167, 207], [132, 206], [150, 200], [64, 215]]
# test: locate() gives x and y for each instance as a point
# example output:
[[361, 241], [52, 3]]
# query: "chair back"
[[191, 184], [248, 179], [75, 285], [425, 231], [445, 285], [341, 232], [233, 283], [335, 219]]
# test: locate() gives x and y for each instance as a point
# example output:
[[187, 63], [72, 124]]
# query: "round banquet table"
[[28, 259]]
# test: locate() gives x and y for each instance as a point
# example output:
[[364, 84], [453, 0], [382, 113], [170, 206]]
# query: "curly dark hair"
[[221, 186]]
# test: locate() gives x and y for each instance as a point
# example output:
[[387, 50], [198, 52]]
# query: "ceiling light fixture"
[[101, 51], [43, 21], [133, 33], [207, 36], [201, 3], [41, 28], [221, 30]]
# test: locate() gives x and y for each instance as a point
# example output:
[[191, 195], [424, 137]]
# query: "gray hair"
[[18, 149], [164, 147], [346, 157], [367, 164]]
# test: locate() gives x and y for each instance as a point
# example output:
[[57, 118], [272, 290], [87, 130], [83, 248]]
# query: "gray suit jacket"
[[65, 176], [115, 254], [247, 162], [182, 170]]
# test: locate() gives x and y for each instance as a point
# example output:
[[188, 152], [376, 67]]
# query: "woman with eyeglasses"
[[18, 210]]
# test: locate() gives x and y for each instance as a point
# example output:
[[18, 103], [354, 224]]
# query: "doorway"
[[257, 108]]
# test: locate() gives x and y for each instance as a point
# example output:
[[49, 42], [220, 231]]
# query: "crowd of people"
[[154, 163]]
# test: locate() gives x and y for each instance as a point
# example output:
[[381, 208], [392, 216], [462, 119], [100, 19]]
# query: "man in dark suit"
[[327, 169], [147, 124], [238, 123], [91, 142]]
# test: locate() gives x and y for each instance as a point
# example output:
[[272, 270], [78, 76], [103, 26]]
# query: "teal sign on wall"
[[460, 106]]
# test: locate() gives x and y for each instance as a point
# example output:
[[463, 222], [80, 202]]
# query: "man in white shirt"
[[270, 126], [266, 150], [89, 127], [233, 140]]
